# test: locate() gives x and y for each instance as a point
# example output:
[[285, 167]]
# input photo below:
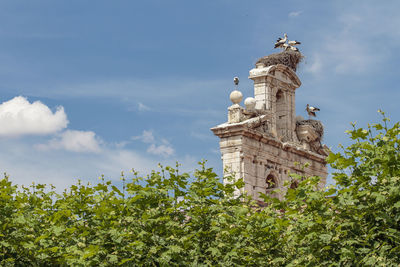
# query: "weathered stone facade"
[[263, 143]]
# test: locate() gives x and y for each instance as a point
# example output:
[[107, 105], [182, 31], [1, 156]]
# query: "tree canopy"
[[175, 219]]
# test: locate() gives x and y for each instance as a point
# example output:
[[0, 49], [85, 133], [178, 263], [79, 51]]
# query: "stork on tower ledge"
[[311, 111]]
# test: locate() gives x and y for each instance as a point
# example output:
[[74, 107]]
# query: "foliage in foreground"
[[169, 219]]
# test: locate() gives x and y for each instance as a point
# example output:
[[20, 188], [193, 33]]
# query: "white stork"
[[294, 48], [280, 41], [311, 110], [279, 45], [286, 47], [293, 43], [284, 38]]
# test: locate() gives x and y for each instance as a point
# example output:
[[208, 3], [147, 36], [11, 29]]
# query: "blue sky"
[[106, 86]]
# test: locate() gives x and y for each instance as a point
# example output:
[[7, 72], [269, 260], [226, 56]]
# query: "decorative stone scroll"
[[310, 133]]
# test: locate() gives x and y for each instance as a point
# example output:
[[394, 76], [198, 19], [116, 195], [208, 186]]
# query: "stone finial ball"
[[250, 103], [236, 97]]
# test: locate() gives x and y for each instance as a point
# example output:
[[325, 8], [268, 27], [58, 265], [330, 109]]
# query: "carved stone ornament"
[[309, 133], [259, 123]]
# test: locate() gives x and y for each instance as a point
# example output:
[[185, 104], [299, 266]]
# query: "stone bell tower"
[[263, 142]]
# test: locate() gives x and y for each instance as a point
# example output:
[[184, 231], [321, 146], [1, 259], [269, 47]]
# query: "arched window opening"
[[279, 96], [271, 182]]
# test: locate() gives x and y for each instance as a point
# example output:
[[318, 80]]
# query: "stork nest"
[[288, 58], [317, 125]]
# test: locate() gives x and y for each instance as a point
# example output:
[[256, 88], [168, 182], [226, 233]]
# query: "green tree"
[[173, 219], [357, 221]]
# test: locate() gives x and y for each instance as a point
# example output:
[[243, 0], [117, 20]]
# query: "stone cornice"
[[242, 129]]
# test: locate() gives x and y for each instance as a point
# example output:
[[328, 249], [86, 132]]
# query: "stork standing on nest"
[[311, 111], [280, 41], [293, 43], [286, 44], [286, 47]]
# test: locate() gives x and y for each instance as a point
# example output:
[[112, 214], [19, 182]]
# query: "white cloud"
[[121, 144], [316, 64], [75, 141], [294, 14], [343, 54], [26, 165], [161, 150], [355, 41], [143, 107], [19, 117], [164, 149], [146, 137]]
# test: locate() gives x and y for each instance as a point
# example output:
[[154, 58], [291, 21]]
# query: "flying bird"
[[311, 110], [236, 80]]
